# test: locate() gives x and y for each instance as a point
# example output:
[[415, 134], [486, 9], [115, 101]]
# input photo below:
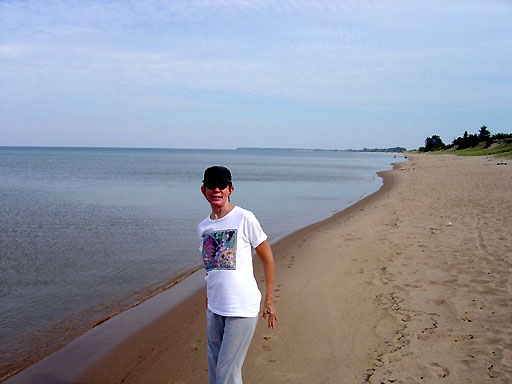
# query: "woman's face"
[[218, 198]]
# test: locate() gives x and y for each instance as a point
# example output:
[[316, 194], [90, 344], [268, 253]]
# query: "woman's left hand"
[[265, 253], [270, 311]]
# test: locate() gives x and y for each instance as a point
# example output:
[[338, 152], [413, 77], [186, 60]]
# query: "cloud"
[[11, 51], [221, 54]]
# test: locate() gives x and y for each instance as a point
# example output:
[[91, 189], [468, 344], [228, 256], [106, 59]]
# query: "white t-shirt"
[[226, 246]]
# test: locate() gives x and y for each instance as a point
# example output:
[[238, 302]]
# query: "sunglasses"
[[212, 184]]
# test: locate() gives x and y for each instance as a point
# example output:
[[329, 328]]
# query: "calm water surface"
[[87, 232]]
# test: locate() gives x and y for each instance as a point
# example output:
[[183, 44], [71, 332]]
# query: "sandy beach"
[[413, 284]]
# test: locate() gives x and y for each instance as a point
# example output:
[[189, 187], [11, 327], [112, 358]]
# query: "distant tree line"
[[394, 149], [258, 149], [483, 137]]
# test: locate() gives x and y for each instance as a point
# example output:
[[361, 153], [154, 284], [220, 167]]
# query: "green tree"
[[484, 133], [434, 143], [466, 141]]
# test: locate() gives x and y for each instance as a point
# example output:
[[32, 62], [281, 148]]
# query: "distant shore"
[[412, 284], [376, 150]]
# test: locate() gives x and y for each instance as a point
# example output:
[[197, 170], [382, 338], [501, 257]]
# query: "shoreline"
[[60, 356], [411, 284], [65, 364], [190, 313]]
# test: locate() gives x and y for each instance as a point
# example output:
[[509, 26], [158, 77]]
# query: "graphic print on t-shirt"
[[219, 250]]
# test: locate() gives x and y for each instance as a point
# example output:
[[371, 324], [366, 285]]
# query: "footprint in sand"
[[267, 348], [438, 370], [195, 345]]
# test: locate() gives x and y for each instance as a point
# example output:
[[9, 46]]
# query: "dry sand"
[[411, 285]]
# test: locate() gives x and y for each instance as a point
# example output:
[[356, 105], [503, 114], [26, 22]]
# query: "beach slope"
[[413, 284]]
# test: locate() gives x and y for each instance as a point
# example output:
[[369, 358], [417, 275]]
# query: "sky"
[[252, 73]]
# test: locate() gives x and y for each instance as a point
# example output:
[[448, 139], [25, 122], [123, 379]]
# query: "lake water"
[[87, 232]]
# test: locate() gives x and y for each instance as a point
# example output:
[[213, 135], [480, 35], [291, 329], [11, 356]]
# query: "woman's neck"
[[220, 212]]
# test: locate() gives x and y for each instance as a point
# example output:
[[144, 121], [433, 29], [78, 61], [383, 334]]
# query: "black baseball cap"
[[217, 172]]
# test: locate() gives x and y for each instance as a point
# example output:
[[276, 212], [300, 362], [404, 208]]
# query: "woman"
[[227, 237]]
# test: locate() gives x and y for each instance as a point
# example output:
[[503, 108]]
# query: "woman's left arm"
[[265, 254]]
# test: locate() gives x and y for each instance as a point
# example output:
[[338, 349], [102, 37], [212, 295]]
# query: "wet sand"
[[413, 284]]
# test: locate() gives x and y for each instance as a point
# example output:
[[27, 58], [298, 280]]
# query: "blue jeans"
[[228, 341]]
